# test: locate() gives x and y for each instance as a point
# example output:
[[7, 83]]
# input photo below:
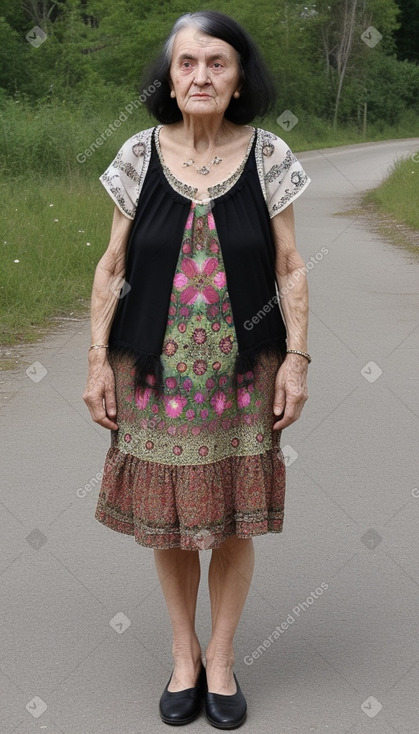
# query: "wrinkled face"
[[204, 73]]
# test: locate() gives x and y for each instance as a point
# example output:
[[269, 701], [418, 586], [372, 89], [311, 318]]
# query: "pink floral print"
[[195, 280], [200, 393]]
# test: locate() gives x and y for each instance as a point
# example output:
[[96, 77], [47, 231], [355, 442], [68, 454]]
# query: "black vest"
[[248, 250]]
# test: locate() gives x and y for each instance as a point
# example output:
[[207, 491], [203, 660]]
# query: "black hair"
[[257, 90]]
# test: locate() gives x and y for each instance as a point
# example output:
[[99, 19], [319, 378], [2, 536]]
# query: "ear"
[[239, 88], [170, 83]]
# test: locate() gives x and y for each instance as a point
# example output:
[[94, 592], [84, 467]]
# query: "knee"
[[234, 545]]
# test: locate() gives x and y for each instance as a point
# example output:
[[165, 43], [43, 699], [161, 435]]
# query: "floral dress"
[[199, 462]]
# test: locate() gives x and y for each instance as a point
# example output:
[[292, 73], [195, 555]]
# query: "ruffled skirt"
[[193, 506]]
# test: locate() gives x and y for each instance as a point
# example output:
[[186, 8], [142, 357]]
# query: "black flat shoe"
[[182, 707], [226, 712]]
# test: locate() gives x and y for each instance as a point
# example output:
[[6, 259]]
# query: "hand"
[[290, 390], [99, 394]]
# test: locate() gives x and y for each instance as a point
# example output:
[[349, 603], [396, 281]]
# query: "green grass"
[[398, 195], [45, 140], [46, 264]]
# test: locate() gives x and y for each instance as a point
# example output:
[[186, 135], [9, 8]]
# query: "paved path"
[[342, 579]]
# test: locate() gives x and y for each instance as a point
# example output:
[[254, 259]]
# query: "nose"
[[201, 73]]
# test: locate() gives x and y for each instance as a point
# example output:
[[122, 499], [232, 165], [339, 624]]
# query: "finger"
[[279, 401], [110, 402], [284, 422], [292, 412], [108, 423], [105, 421], [99, 414], [109, 409]]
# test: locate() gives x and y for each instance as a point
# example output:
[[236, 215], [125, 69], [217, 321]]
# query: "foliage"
[[401, 81], [50, 138], [97, 48], [406, 36], [52, 239], [397, 195]]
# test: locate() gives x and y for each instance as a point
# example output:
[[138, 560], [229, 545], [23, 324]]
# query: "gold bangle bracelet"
[[98, 346], [303, 354]]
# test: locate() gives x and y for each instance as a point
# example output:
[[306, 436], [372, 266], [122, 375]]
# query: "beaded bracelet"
[[98, 346], [303, 354]]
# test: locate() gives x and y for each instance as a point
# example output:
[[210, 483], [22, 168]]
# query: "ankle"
[[220, 656], [219, 671], [187, 653]]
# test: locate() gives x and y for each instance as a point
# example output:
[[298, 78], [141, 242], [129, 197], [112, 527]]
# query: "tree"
[[96, 50], [40, 11], [344, 48], [340, 25], [407, 36]]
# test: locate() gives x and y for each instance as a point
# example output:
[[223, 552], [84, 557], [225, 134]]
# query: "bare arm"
[[99, 394], [291, 380]]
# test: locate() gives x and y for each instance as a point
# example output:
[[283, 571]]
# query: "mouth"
[[202, 95]]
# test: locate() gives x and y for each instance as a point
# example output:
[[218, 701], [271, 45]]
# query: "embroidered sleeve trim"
[[281, 175], [124, 178]]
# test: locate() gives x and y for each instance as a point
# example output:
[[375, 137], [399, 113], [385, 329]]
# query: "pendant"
[[204, 170]]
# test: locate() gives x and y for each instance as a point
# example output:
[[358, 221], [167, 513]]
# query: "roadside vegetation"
[[392, 209], [398, 195], [52, 237]]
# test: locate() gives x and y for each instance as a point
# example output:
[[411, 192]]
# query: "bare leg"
[[229, 577], [179, 573]]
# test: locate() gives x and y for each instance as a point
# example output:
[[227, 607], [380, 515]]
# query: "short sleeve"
[[284, 176], [124, 176]]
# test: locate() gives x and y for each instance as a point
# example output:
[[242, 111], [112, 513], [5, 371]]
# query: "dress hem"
[[187, 538]]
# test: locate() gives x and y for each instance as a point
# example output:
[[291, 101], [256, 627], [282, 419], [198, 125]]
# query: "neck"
[[204, 134]]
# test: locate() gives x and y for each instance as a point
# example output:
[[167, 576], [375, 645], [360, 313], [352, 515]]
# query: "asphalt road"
[[86, 638]]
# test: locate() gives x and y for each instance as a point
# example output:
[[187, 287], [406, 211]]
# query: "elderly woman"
[[194, 367]]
